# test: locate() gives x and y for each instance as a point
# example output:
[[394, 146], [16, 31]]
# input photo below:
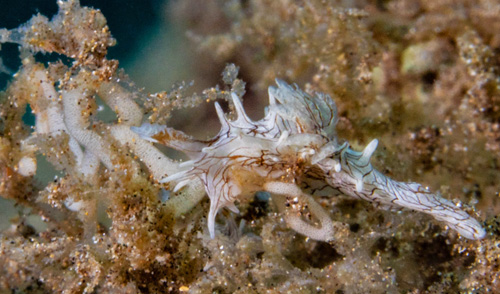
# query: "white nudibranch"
[[294, 143]]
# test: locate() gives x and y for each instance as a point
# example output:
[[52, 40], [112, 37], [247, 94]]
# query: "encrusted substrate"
[[421, 76]]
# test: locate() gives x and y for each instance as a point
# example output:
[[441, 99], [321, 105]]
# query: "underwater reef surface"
[[422, 77]]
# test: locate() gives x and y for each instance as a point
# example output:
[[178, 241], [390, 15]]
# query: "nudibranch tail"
[[359, 179], [413, 196]]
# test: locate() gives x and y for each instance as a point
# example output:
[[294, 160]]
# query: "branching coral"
[[97, 167]]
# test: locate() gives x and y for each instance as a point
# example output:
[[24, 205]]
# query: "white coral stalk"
[[293, 216], [50, 120], [121, 102], [77, 126]]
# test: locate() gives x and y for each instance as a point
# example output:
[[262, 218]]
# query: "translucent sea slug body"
[[295, 143]]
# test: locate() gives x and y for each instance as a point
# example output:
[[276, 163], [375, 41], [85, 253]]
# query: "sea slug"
[[289, 153]]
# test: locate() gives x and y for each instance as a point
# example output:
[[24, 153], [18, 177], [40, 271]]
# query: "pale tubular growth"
[[324, 232], [78, 124], [49, 118], [97, 147], [159, 165], [295, 138], [129, 114], [155, 161], [121, 101], [62, 112], [81, 34], [66, 115]]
